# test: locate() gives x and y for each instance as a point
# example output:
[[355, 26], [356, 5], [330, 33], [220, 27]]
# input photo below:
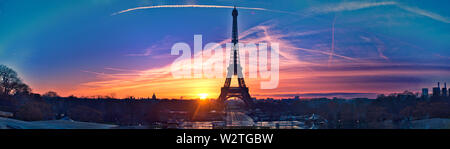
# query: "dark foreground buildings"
[[437, 91]]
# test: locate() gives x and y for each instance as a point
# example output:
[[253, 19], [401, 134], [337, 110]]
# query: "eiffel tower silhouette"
[[235, 69]]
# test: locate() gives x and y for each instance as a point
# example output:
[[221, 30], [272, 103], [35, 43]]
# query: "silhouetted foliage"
[[85, 114], [34, 111]]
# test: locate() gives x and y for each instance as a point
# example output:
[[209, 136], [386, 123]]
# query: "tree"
[[10, 83], [21, 88]]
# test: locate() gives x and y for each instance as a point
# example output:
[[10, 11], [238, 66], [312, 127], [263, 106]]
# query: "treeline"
[[392, 111], [34, 107]]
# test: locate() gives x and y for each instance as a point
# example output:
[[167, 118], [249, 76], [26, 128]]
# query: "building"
[[444, 90], [425, 92], [437, 90]]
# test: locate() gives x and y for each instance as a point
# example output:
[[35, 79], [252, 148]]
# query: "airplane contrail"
[[351, 6], [197, 6], [332, 41]]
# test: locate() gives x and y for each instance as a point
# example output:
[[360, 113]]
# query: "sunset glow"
[[326, 48]]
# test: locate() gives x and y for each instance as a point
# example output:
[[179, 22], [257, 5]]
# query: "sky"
[[327, 48]]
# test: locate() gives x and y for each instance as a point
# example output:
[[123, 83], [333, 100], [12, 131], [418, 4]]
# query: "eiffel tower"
[[235, 69]]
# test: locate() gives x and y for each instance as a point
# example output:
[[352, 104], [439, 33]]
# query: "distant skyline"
[[122, 48]]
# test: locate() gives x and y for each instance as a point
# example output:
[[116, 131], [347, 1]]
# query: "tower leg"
[[247, 98]]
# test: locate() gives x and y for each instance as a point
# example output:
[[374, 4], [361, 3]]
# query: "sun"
[[203, 96]]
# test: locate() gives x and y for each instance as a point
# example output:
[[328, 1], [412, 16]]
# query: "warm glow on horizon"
[[203, 96], [317, 57]]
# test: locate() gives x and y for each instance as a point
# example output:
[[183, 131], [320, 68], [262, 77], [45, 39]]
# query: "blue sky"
[[379, 46]]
